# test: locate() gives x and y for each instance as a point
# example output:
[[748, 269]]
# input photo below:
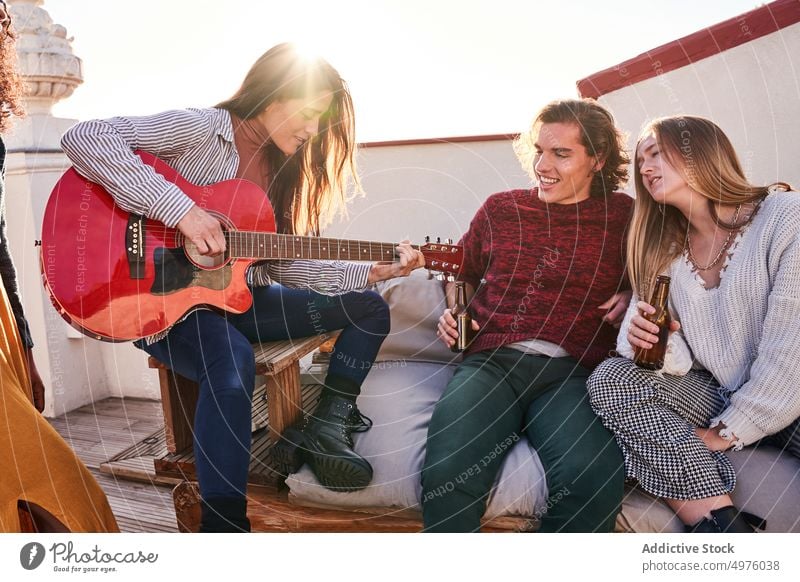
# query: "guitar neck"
[[259, 245]]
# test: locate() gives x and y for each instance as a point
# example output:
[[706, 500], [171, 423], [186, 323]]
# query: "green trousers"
[[494, 399]]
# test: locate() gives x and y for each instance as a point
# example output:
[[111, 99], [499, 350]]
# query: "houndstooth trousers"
[[653, 417]]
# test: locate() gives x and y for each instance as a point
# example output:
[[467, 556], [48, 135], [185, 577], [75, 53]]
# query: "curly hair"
[[599, 136], [10, 82]]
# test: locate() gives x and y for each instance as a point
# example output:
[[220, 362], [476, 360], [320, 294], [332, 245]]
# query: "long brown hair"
[[599, 136], [10, 83], [701, 152], [309, 188]]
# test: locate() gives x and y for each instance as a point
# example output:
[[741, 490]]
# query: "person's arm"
[[37, 385], [335, 277], [616, 307], [102, 151], [770, 400]]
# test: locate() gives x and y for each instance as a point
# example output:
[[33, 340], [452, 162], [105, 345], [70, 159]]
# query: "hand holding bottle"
[[656, 322], [447, 329], [642, 333]]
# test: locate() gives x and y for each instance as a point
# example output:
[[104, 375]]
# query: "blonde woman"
[[732, 250]]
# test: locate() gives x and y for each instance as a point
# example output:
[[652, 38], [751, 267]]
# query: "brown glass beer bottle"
[[463, 320], [653, 359]]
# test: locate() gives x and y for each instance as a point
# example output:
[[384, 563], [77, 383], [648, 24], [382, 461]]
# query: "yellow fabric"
[[36, 464]]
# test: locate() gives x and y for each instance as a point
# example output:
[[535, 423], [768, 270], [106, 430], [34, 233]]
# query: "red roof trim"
[[437, 140], [705, 43]]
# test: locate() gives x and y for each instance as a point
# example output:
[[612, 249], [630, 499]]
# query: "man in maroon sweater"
[[545, 263]]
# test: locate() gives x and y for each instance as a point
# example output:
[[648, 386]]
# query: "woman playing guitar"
[[289, 129]]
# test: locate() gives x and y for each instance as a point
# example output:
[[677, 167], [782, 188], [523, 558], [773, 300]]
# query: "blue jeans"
[[215, 351]]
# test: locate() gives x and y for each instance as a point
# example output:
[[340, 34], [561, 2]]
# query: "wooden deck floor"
[[101, 430]]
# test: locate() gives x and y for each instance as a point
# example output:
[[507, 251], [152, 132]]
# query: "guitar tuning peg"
[[439, 277], [451, 278], [430, 274], [449, 241], [427, 238], [438, 240]]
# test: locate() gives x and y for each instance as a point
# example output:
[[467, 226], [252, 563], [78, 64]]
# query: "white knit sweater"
[[746, 332]]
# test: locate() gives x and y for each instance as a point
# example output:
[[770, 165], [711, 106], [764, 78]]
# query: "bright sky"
[[416, 68]]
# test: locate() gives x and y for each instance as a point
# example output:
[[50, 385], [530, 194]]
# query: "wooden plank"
[[270, 511], [127, 525], [275, 356], [153, 445], [178, 400], [138, 506], [284, 399], [508, 523], [98, 427], [135, 407], [138, 469]]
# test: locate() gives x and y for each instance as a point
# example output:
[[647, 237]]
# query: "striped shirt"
[[198, 143]]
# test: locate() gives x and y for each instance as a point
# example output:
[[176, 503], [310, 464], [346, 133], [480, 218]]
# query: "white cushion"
[[415, 303]]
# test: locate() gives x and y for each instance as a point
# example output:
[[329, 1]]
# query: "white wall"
[[751, 91], [428, 189]]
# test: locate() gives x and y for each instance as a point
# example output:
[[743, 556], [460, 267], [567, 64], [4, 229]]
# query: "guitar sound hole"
[[204, 261]]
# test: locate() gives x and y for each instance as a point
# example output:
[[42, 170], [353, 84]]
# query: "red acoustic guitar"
[[116, 276]]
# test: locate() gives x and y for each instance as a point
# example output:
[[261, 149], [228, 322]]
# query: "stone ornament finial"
[[46, 63]]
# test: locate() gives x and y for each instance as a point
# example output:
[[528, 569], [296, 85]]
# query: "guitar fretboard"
[[257, 245]]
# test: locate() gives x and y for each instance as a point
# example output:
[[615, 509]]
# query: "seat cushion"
[[415, 304]]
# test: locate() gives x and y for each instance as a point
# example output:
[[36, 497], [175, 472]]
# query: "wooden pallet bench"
[[277, 405]]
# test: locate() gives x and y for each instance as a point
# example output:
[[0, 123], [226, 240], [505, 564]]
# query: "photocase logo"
[[32, 555]]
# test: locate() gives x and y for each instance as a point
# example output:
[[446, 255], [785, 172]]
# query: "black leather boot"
[[287, 454], [328, 444], [224, 514], [728, 520]]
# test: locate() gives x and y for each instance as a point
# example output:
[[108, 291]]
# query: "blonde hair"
[[701, 152]]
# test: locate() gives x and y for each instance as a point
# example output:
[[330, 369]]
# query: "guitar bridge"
[[134, 243]]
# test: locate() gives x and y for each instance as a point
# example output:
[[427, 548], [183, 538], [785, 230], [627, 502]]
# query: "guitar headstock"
[[445, 258]]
